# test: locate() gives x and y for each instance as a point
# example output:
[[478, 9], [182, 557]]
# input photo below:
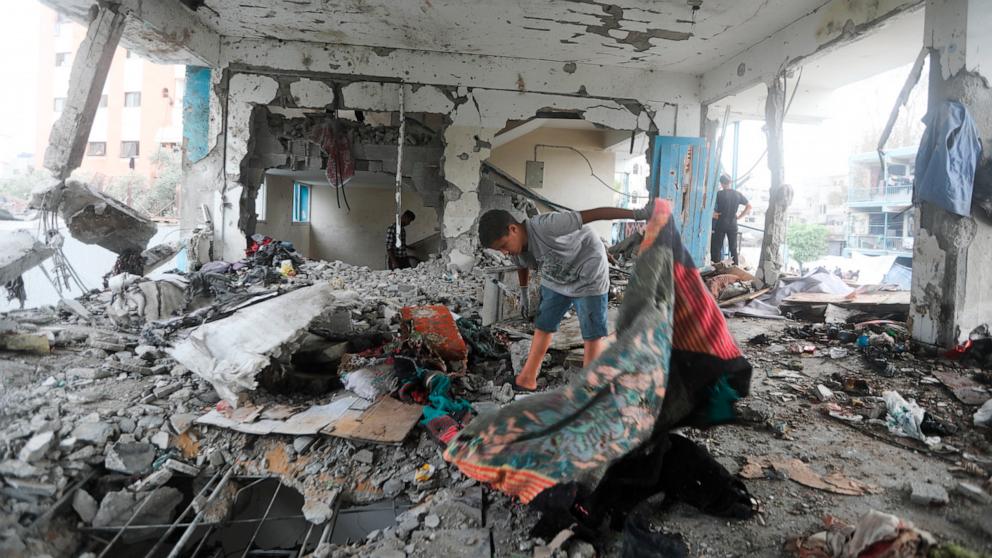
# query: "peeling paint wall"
[[952, 272], [257, 102]]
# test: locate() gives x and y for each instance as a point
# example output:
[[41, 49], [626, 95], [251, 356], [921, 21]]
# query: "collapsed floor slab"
[[229, 353], [95, 218], [20, 252]]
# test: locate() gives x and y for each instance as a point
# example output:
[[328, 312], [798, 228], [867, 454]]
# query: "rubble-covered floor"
[[72, 414]]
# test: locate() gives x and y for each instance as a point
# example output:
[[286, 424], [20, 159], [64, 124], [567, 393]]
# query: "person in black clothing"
[[725, 219], [396, 256]]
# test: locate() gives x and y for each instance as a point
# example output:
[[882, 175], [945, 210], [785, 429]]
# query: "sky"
[[812, 151], [18, 43]]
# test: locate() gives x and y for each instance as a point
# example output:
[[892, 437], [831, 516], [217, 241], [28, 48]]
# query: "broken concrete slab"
[[117, 507], [38, 343], [451, 543], [95, 218], [96, 433], [926, 494], [19, 252], [132, 458], [85, 505], [19, 469], [37, 447], [230, 353]]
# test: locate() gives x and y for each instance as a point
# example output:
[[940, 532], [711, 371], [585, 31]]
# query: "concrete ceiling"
[[635, 33], [895, 43]]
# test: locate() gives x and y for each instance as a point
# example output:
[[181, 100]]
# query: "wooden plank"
[[890, 298], [387, 421], [743, 298]]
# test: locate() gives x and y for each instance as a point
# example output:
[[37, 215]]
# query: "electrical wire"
[[591, 170]]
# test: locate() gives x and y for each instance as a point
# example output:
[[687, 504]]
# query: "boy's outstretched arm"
[[612, 213]]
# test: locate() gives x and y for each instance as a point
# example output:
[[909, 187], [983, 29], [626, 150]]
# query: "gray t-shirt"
[[571, 257]]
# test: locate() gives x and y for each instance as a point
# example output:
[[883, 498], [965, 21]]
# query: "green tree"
[[807, 242], [157, 198], [18, 185]]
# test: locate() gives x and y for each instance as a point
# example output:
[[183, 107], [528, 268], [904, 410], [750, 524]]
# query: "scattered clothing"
[[875, 534], [674, 364], [946, 159]]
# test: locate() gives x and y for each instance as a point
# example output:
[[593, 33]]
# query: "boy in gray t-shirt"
[[574, 271]]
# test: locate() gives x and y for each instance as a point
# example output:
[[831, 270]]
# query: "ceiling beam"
[[833, 24], [164, 31], [462, 70]]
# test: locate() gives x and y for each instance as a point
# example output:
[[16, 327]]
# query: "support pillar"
[[952, 273], [70, 134], [780, 194]]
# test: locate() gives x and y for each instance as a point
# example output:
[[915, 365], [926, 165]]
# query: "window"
[[169, 146], [129, 149], [96, 149], [132, 99], [62, 59], [61, 23], [301, 203], [59, 104], [103, 101], [260, 201]]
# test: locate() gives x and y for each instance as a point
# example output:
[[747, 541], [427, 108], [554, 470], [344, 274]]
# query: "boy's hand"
[[524, 302], [644, 213]]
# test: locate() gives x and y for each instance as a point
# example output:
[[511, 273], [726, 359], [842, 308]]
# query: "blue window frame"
[[301, 203]]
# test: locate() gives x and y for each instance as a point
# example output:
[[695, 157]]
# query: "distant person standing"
[[725, 218], [396, 256]]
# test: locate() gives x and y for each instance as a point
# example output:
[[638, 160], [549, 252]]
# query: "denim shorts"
[[590, 309]]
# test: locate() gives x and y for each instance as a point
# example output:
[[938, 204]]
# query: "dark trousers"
[[716, 242]]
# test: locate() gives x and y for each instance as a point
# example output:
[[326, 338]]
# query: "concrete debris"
[[19, 252], [132, 458], [37, 447], [95, 218], [152, 481], [265, 397], [926, 494], [85, 505], [19, 469], [229, 353], [96, 433], [156, 507]]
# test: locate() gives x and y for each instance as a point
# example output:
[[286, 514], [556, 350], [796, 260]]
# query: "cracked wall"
[[258, 106], [951, 268]]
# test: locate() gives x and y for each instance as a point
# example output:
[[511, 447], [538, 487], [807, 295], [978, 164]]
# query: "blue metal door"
[[679, 173]]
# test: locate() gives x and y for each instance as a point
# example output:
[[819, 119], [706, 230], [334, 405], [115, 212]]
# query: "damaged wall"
[[356, 237], [951, 268], [277, 109], [566, 176]]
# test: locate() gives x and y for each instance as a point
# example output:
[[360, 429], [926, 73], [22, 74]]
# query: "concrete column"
[[70, 134], [780, 195], [952, 273]]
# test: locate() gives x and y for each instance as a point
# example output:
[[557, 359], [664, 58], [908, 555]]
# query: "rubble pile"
[[158, 401], [102, 401]]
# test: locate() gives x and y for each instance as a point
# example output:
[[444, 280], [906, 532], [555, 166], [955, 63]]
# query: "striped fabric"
[[613, 408]]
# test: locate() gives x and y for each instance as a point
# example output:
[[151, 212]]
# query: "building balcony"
[[877, 244], [890, 195]]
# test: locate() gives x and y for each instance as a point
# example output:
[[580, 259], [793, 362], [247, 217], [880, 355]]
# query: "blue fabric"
[[946, 159], [590, 309]]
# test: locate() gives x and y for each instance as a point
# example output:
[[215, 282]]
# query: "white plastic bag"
[[904, 418]]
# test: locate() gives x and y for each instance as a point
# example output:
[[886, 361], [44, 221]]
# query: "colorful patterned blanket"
[[673, 363]]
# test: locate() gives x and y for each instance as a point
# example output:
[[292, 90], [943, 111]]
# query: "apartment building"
[[140, 111]]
